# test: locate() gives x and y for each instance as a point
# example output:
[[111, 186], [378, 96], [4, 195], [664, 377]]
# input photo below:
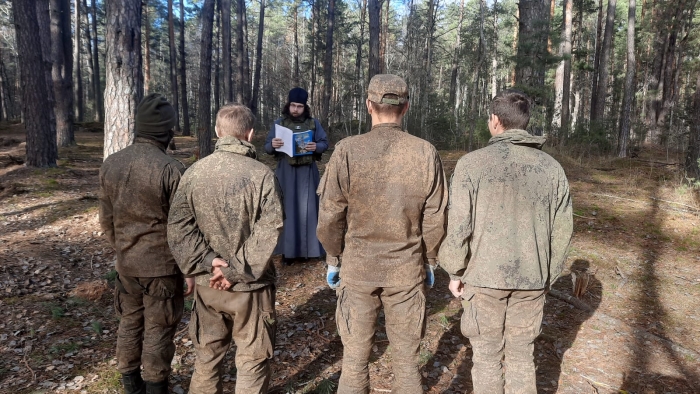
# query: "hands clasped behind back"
[[218, 281]]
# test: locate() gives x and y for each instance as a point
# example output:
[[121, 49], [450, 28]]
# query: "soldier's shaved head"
[[512, 108], [234, 120]]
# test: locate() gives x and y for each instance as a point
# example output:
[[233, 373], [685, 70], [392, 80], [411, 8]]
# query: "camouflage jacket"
[[228, 205], [137, 186], [383, 200], [510, 216]]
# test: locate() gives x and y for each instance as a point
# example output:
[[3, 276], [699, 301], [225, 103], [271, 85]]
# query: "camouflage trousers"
[[247, 317], [502, 326], [356, 316], [149, 310]]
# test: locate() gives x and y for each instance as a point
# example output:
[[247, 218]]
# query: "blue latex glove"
[[429, 276], [333, 277]]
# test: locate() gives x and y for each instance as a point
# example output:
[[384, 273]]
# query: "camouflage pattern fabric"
[[510, 216], [246, 317], [228, 205], [137, 185], [383, 199], [149, 310], [356, 317], [502, 326]]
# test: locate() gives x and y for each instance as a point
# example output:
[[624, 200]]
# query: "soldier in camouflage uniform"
[[383, 200], [137, 185], [509, 227], [225, 220]]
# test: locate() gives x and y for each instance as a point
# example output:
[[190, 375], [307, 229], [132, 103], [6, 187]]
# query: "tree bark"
[[374, 8], [100, 111], [240, 52], [61, 74], [295, 72], [88, 49], [598, 113], [124, 81], [44, 22], [204, 111], [41, 140], [147, 50], [328, 65], [173, 63], [456, 58], [384, 38], [78, 76], [562, 116], [183, 74], [217, 63], [692, 157], [532, 52], [226, 53], [596, 59], [359, 82], [258, 60], [626, 116]]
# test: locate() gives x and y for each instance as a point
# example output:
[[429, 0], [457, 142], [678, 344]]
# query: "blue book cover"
[[300, 140]]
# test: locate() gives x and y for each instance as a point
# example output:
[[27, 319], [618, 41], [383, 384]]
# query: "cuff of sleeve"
[[432, 261], [231, 275], [455, 277], [333, 261], [205, 265]]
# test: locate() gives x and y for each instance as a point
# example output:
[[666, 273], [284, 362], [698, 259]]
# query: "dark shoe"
[[287, 262], [157, 387], [133, 384]]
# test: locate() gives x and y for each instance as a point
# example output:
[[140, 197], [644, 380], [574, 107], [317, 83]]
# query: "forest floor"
[[637, 234]]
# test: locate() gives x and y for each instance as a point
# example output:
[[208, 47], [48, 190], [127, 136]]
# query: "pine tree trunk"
[[44, 21], [598, 113], [60, 74], [258, 60], [41, 143], [596, 59], [226, 53], [173, 63], [630, 85], [246, 58], [88, 49], [457, 49], [532, 45], [147, 51], [124, 78], [240, 49], [562, 116], [384, 38], [295, 75], [99, 95], [374, 8], [183, 74], [78, 77], [359, 82], [217, 63], [204, 105], [328, 65], [692, 157]]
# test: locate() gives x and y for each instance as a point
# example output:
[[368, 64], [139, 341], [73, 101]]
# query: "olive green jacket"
[[510, 216], [383, 199], [137, 186], [228, 205]]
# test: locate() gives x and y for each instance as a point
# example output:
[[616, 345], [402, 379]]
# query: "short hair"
[[389, 109], [512, 108], [234, 120]]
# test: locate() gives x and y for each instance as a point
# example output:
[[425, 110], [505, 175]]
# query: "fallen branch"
[[607, 386], [571, 300], [584, 217], [659, 162], [646, 202]]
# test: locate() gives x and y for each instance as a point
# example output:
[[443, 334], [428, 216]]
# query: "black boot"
[[157, 387], [133, 384]]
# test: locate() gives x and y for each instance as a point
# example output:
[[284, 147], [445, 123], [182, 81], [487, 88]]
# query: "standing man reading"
[[509, 227], [298, 177], [382, 218], [137, 186], [224, 224]]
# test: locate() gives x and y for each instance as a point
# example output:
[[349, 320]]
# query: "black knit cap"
[[155, 118], [298, 95]]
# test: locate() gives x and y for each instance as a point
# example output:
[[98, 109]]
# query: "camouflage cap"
[[387, 84]]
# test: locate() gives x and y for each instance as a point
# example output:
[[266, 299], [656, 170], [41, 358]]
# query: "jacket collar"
[[519, 137], [387, 126], [145, 140], [234, 145]]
